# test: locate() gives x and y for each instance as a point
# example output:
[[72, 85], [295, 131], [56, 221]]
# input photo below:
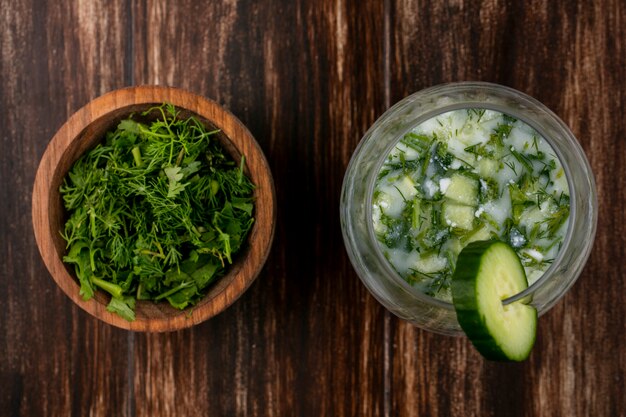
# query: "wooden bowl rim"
[[260, 237]]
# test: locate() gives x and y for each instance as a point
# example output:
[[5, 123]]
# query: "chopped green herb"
[[555, 220], [478, 113], [480, 149], [156, 211], [522, 159]]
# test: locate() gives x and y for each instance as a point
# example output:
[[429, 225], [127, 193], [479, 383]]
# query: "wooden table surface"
[[307, 77]]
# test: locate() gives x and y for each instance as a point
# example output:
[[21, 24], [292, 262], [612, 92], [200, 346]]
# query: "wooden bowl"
[[82, 132]]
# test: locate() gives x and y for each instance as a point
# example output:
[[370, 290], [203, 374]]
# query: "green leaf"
[[124, 307], [174, 276], [243, 204], [174, 175], [205, 274], [79, 255], [191, 168], [181, 299], [129, 126]]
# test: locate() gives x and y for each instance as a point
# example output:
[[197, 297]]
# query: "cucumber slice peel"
[[486, 273]]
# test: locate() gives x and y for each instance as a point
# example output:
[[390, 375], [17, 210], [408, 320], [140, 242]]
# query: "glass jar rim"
[[519, 107]]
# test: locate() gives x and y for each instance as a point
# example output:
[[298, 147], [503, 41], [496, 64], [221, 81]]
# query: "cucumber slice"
[[486, 273]]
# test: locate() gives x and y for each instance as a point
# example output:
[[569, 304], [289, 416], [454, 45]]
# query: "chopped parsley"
[[155, 212]]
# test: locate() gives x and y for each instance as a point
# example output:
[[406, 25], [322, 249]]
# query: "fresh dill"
[[155, 212]]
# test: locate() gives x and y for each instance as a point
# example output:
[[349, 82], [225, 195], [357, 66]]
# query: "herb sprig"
[[157, 211]]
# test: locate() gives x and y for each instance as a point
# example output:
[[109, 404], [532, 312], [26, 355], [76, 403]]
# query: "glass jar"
[[375, 271]]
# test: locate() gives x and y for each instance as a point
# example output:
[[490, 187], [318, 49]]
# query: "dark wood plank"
[[55, 359], [306, 78], [572, 58]]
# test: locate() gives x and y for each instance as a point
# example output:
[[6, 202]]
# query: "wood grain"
[[306, 339], [55, 360], [572, 58], [307, 77]]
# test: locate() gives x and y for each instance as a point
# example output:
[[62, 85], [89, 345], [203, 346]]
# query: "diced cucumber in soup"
[[487, 167], [431, 263], [465, 176], [458, 216], [462, 189], [479, 233]]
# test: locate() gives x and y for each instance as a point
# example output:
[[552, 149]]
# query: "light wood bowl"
[[82, 132]]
